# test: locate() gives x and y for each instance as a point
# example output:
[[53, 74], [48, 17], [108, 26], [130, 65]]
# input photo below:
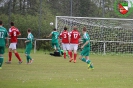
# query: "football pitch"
[[111, 71]]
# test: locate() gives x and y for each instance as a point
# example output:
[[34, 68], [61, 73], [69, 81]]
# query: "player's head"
[[75, 28], [84, 29], [65, 28], [54, 29], [12, 24], [0, 22], [28, 30]]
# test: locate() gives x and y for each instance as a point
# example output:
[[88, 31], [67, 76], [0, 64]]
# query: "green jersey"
[[3, 35], [55, 36], [30, 37], [86, 38]]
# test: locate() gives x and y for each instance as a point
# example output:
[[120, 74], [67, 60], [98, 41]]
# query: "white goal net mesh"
[[108, 35]]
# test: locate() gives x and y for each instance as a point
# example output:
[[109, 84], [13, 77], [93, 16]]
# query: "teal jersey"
[[55, 36], [86, 38], [31, 38], [3, 35]]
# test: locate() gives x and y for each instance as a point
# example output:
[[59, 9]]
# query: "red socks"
[[70, 53], [10, 56], [64, 55], [17, 55], [75, 55]]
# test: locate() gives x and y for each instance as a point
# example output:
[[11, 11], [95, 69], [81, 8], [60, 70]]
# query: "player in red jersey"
[[64, 35], [74, 40], [13, 33]]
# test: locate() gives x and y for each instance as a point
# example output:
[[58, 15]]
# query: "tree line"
[[37, 14]]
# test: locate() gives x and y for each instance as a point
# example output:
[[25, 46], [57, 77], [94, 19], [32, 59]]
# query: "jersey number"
[[65, 36], [14, 33], [56, 36], [75, 36], [1, 34]]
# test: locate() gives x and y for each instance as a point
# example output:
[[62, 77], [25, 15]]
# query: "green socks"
[[28, 58], [83, 59], [87, 61], [1, 61], [91, 66]]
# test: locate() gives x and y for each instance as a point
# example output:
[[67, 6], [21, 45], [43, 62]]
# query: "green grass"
[[111, 71]]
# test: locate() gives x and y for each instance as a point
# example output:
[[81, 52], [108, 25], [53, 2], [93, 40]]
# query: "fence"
[[103, 46]]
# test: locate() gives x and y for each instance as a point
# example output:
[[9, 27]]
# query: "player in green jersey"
[[29, 42], [3, 35], [54, 41], [86, 48]]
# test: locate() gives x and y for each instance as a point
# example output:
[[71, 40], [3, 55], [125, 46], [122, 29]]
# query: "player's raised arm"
[[49, 35]]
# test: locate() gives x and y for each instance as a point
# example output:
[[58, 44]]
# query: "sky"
[[129, 2]]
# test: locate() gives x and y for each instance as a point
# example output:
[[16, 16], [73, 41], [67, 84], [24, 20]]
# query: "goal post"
[[108, 35]]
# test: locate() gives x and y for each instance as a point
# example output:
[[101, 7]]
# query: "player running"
[[55, 42], [13, 33], [74, 40], [86, 48], [65, 41], [29, 42], [3, 35]]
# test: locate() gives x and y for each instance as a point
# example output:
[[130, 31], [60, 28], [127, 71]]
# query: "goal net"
[[108, 35]]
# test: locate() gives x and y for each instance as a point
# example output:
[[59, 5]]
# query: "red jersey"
[[64, 36], [74, 35], [13, 32]]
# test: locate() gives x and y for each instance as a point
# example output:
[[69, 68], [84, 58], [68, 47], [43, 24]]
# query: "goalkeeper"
[[86, 48], [56, 53]]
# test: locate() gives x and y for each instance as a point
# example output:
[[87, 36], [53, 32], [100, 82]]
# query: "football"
[[51, 23]]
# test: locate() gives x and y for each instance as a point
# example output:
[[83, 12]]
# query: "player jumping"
[[55, 42]]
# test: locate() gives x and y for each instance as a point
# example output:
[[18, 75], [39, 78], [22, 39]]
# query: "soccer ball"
[[51, 23]]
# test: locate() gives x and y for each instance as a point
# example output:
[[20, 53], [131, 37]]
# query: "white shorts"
[[74, 47], [65, 46], [13, 46]]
